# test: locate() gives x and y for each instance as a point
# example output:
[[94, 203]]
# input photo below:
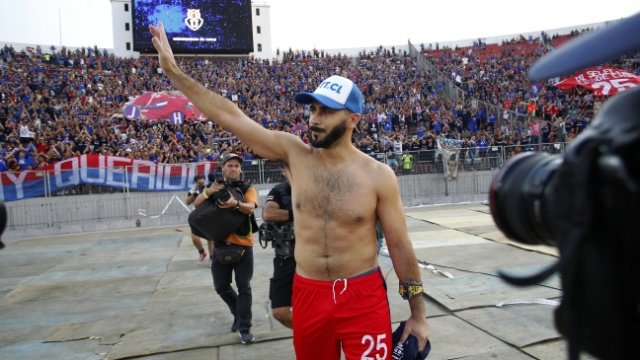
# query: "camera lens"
[[224, 195], [522, 199]]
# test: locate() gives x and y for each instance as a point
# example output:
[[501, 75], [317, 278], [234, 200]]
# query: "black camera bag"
[[214, 223]]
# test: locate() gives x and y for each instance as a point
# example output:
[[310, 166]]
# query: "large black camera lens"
[[221, 195], [522, 199]]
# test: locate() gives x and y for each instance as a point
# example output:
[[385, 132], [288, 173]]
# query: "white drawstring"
[[344, 288]]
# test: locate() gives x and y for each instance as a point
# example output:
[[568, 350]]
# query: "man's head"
[[337, 93], [336, 106], [231, 166], [199, 179]]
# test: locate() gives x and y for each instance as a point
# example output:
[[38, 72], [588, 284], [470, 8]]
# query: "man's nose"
[[313, 121]]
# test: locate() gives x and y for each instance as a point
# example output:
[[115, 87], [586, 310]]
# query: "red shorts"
[[349, 313]]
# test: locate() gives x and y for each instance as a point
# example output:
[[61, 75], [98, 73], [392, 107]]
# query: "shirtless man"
[[339, 296]]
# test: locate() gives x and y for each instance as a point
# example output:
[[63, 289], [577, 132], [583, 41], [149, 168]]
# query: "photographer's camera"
[[223, 194], [281, 237], [587, 203]]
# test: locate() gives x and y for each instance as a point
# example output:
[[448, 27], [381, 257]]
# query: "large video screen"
[[195, 26]]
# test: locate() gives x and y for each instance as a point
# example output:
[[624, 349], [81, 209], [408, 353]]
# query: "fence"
[[90, 207]]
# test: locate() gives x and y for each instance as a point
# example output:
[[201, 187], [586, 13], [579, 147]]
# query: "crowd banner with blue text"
[[102, 170]]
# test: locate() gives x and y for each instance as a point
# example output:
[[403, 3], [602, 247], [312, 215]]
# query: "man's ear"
[[354, 119]]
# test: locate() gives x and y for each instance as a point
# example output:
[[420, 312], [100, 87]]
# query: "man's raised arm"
[[266, 143]]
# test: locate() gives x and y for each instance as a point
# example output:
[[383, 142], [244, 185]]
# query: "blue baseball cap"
[[409, 349], [335, 92], [590, 49]]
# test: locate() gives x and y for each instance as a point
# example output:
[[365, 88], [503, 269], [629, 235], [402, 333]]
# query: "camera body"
[[281, 236], [196, 190], [587, 203], [223, 194]]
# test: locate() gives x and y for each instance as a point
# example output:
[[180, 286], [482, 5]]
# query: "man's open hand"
[[161, 43]]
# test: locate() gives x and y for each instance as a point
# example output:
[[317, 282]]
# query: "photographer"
[[586, 203], [198, 187], [233, 255], [278, 228]]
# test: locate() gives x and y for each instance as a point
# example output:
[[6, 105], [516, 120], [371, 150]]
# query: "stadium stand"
[[64, 103]]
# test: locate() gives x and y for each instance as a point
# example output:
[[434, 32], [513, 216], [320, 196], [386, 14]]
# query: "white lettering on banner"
[[136, 174], [607, 74], [159, 175], [18, 181], [112, 170], [74, 179], [103, 170], [184, 176], [84, 167], [580, 79], [606, 86], [192, 170], [622, 84], [207, 168]]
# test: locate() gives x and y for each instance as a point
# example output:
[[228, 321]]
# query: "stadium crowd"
[[64, 103]]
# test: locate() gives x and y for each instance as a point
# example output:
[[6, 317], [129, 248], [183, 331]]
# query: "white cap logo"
[[336, 88]]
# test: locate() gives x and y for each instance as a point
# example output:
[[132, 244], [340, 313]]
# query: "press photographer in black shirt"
[[278, 228]]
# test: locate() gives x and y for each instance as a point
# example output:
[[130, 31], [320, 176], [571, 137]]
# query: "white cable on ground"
[[384, 251], [528, 301], [143, 212], [434, 270]]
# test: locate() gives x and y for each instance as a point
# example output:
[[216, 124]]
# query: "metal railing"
[[90, 207]]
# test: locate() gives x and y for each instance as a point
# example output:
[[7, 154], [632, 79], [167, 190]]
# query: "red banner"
[[601, 80], [101, 170], [172, 106]]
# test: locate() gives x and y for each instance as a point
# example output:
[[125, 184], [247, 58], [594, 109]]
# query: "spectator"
[[560, 129], [25, 161], [198, 187], [407, 163]]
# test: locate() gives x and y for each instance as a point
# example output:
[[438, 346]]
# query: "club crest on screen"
[[194, 20]]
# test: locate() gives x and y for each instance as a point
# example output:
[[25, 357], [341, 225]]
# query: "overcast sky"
[[326, 24]]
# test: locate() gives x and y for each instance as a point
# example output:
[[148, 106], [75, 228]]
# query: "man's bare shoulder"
[[291, 144], [289, 138], [375, 171]]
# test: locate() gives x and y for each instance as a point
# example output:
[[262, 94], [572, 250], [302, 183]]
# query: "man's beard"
[[231, 177], [330, 138]]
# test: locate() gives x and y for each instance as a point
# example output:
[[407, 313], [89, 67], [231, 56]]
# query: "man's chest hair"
[[329, 193]]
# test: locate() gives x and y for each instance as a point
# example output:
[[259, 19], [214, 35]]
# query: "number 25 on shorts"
[[376, 345]]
